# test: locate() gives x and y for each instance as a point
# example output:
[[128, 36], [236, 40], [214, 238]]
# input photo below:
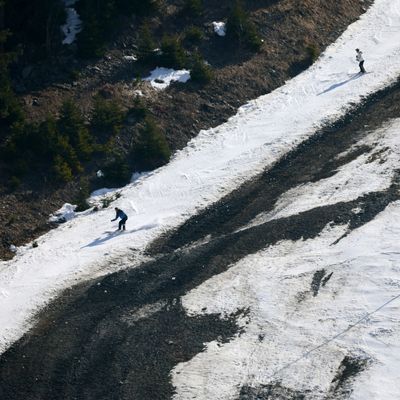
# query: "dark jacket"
[[121, 214]]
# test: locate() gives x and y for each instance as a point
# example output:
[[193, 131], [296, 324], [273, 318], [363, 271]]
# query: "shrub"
[[10, 109], [101, 17], [83, 194], [146, 44], [71, 125], [106, 118], [200, 71], [139, 110], [91, 42], [173, 54], [14, 183], [192, 8], [106, 201], [312, 52], [152, 150], [63, 172], [194, 35], [116, 171], [240, 30]]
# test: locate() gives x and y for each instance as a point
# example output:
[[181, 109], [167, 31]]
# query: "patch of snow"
[[73, 24], [161, 78], [130, 58], [372, 171], [99, 173], [219, 28], [101, 192], [212, 164], [64, 214], [13, 248], [306, 337]]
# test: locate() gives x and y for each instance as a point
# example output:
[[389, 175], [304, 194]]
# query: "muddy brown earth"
[[118, 337], [287, 27]]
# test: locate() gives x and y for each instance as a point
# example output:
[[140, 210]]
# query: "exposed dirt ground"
[[287, 27], [118, 337]]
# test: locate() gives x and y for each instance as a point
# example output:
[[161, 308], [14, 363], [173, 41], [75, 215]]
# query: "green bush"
[[34, 24], [71, 125], [116, 171], [139, 110], [200, 71], [312, 53], [14, 183], [83, 195], [192, 8], [10, 109], [106, 118], [62, 171], [152, 150], [193, 35], [173, 54], [240, 30], [100, 18], [146, 44]]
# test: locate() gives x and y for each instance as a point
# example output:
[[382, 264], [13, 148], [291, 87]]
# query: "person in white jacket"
[[360, 59]]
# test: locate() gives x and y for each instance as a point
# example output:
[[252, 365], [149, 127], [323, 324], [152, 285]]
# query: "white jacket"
[[359, 56]]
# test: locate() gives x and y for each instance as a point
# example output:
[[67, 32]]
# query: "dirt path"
[[119, 337]]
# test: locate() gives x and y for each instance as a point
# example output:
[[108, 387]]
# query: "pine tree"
[[71, 125], [152, 151]]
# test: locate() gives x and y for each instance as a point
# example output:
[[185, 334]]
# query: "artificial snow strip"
[[214, 163]]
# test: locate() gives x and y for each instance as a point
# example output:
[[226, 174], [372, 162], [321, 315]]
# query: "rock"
[[35, 101]]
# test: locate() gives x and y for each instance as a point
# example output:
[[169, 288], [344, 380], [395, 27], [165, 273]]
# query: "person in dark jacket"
[[123, 216]]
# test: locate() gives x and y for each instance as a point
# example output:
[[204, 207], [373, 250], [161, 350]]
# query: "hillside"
[[260, 263], [292, 33]]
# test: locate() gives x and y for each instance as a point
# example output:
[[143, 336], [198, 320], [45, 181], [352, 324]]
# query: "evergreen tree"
[[152, 151], [173, 54], [71, 125], [106, 118], [240, 30]]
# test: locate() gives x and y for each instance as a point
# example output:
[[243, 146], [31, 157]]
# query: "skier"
[[360, 60], [123, 216]]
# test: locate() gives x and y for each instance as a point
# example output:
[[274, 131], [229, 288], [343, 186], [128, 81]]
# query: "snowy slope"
[[214, 163], [305, 336]]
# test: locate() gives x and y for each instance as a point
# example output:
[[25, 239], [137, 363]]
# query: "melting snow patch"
[[64, 214], [161, 78], [73, 24], [219, 28], [130, 58]]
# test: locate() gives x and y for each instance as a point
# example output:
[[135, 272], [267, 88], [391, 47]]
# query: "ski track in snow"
[[213, 164]]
